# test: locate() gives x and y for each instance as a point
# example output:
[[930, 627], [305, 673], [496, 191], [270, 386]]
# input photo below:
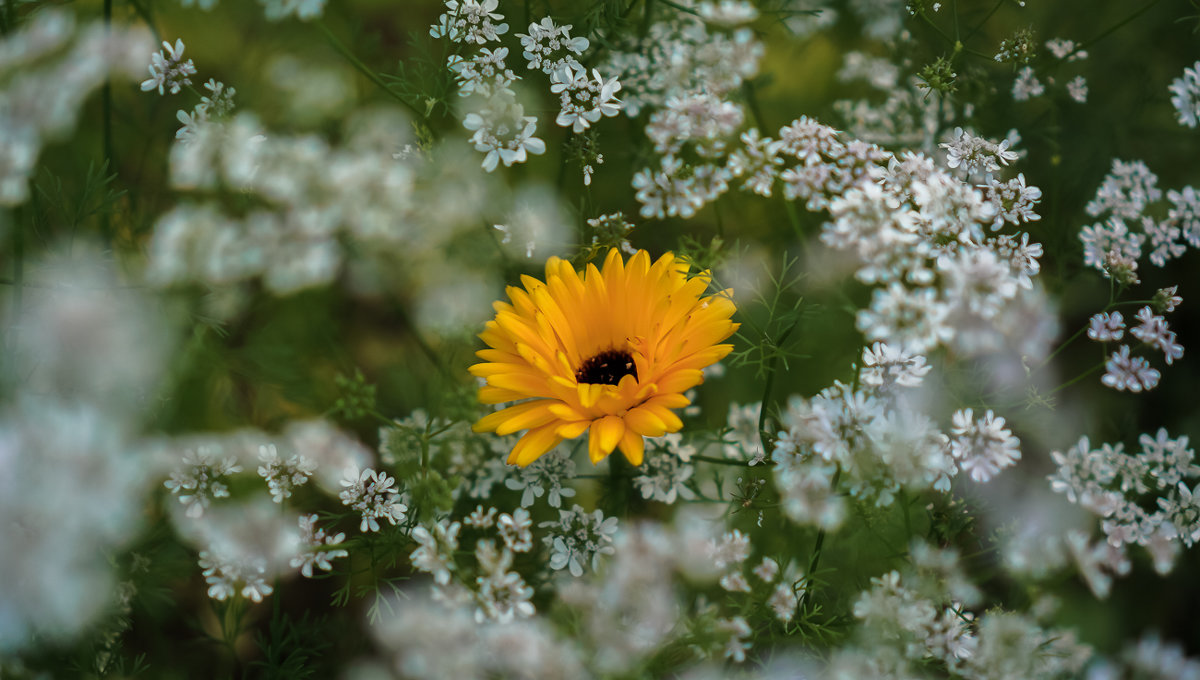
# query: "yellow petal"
[[605, 434], [535, 443], [633, 446]]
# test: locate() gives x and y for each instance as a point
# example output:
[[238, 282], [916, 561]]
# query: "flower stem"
[[985, 19], [106, 125], [362, 68], [724, 461], [1104, 34]]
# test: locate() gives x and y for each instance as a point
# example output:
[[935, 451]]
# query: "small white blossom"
[[169, 71], [1125, 372], [546, 474], [283, 476], [983, 447], [516, 530], [1106, 327], [1185, 96], [435, 549], [317, 547], [578, 539], [372, 494], [200, 479]]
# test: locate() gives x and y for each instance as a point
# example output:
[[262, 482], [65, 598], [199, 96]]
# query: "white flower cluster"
[[867, 441], [244, 547], [1185, 96], [630, 609], [319, 547], [1129, 194], [911, 224], [977, 155], [169, 70], [310, 449], [680, 57], [664, 477], [549, 47], [578, 539], [374, 496], [1117, 487], [547, 476], [283, 475], [916, 619], [417, 628], [877, 447], [218, 103], [1122, 370], [499, 125], [583, 99], [311, 203], [200, 479], [730, 554], [498, 592], [909, 117], [48, 68], [274, 10]]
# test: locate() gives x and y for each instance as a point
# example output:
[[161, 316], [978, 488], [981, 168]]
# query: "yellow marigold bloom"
[[609, 352]]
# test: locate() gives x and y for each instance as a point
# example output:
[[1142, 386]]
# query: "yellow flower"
[[609, 352]]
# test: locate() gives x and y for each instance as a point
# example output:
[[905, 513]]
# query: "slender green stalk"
[[983, 22], [724, 461], [18, 270], [750, 93], [106, 125], [770, 383], [1104, 34], [647, 13], [362, 68], [956, 44]]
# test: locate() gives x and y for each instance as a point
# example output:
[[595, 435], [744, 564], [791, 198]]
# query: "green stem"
[[681, 8], [770, 382], [1104, 34], [1076, 379], [18, 267], [106, 124], [819, 545], [724, 461], [362, 68], [751, 95], [956, 44], [985, 19]]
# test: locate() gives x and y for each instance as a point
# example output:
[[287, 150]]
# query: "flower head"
[[609, 352]]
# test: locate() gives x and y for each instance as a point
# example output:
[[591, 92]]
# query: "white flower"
[[1152, 330], [579, 538], [282, 476], [1077, 89], [435, 549], [1185, 95], [1125, 372], [1027, 86], [548, 473], [317, 544], [583, 100], [200, 479], [886, 365], [549, 48], [983, 447], [1106, 327], [169, 72], [503, 131], [371, 493], [728, 13], [516, 530]]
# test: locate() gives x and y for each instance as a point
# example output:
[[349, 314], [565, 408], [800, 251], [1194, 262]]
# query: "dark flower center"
[[607, 368]]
